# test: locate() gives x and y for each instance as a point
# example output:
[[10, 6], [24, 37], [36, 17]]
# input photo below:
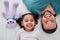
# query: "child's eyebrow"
[[25, 19]]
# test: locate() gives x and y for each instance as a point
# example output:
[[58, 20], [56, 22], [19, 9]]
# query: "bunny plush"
[[11, 16]]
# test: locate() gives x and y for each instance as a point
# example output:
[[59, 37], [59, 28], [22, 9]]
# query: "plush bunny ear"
[[14, 9], [5, 14]]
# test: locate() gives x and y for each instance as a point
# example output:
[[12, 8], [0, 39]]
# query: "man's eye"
[[46, 21], [52, 20]]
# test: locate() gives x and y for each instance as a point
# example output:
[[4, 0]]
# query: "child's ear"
[[22, 23]]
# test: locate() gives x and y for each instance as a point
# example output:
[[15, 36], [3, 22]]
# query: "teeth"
[[29, 25], [47, 17]]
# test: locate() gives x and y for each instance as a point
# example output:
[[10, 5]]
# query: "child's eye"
[[26, 20], [31, 20]]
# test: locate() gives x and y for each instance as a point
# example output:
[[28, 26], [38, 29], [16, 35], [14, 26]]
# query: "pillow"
[[36, 6]]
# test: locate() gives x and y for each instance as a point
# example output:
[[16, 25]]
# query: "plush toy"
[[11, 16]]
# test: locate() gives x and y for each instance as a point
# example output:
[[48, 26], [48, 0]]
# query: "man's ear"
[[43, 11], [55, 18], [41, 20]]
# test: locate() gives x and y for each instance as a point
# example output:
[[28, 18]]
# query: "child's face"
[[28, 22]]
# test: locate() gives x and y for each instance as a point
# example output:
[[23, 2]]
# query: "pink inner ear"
[[14, 10], [5, 14], [6, 3]]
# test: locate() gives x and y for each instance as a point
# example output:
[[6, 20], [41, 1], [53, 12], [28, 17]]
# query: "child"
[[27, 23]]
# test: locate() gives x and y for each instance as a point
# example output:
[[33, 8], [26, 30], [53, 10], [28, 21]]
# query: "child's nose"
[[29, 22]]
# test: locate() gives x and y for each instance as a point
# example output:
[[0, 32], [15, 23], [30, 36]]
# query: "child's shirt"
[[23, 35]]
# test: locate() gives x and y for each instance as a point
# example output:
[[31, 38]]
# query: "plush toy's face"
[[11, 23]]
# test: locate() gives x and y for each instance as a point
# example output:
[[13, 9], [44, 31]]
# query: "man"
[[48, 22]]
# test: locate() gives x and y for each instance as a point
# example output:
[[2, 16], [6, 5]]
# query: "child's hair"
[[36, 17]]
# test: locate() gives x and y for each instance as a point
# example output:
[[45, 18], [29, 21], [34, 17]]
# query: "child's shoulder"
[[20, 30], [37, 31]]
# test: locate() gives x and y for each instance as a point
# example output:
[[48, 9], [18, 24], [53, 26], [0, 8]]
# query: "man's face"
[[48, 21]]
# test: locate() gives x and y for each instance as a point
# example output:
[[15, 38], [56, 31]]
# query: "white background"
[[10, 34]]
